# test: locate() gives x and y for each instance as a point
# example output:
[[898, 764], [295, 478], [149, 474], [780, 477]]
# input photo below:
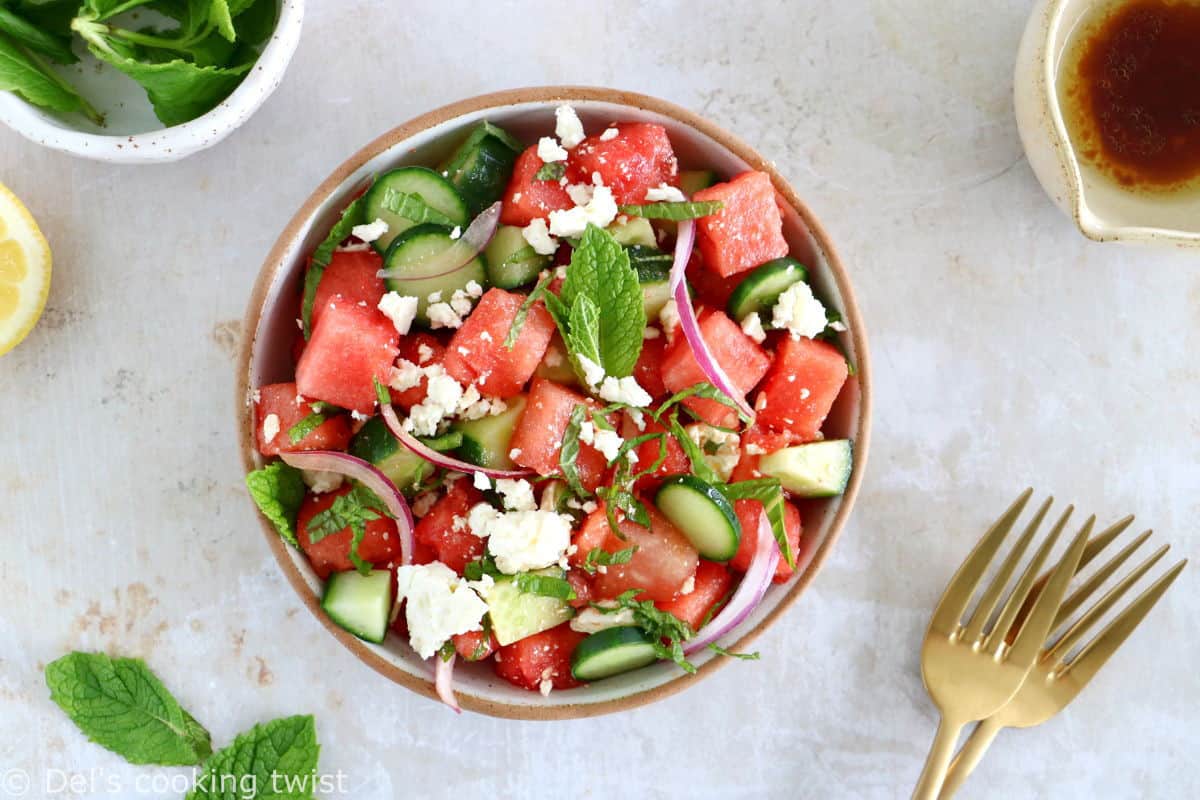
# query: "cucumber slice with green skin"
[[636, 231], [653, 268], [693, 180], [759, 291], [437, 192], [816, 469], [485, 442], [511, 261], [611, 652], [413, 249], [361, 604], [516, 614], [702, 514], [482, 165], [376, 444]]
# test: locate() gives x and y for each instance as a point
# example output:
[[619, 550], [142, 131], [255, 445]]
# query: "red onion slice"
[[691, 326], [456, 256], [440, 459], [370, 477], [749, 593], [443, 681]]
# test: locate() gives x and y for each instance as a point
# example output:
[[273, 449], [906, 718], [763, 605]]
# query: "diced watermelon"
[[527, 198], [476, 353], [648, 369], [742, 359], [444, 529], [711, 289], [380, 546], [638, 158], [281, 399], [581, 584], [540, 431], [661, 565], [748, 513], [411, 349], [758, 440], [353, 275], [675, 463], [544, 656], [472, 646], [713, 582], [747, 231], [351, 349], [802, 386]]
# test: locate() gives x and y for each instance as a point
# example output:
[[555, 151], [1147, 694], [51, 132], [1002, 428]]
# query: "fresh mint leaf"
[[569, 452], [413, 207], [553, 171], [382, 395], [278, 490], [716, 648], [661, 626], [278, 759], [769, 492], [120, 705], [673, 210], [484, 565], [255, 22], [514, 331], [600, 271], [704, 390], [700, 466], [22, 72], [20, 29], [619, 499], [351, 215], [544, 586], [583, 337], [305, 426], [599, 557]]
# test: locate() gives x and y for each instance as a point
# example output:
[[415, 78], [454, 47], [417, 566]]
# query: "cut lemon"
[[24, 271]]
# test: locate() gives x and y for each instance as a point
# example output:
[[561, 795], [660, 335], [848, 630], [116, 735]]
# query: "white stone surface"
[[1007, 351]]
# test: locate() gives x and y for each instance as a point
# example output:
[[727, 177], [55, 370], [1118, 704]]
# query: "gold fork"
[[970, 673], [1054, 682]]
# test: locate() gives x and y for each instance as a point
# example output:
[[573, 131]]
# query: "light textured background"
[[1007, 351]]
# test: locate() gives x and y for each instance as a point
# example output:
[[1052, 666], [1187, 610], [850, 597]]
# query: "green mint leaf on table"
[[514, 331], [599, 557], [351, 215], [673, 210], [769, 492], [304, 427], [553, 171], [23, 30], [413, 207], [569, 452], [545, 586], [600, 271], [119, 704], [278, 490], [278, 758], [23, 72], [716, 648]]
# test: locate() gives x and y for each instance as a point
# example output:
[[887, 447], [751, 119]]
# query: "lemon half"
[[24, 271]]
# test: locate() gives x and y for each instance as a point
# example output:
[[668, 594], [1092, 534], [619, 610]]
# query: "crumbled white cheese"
[[442, 315], [358, 416], [752, 327], [371, 231], [799, 311], [625, 390], [434, 297], [651, 333], [607, 442], [481, 481], [521, 541], [423, 502], [405, 375], [549, 150], [664, 192], [442, 394], [401, 310], [546, 686], [567, 126], [593, 373], [580, 193], [838, 326], [753, 449], [609, 134], [537, 235], [637, 417], [424, 352], [270, 427], [456, 232], [321, 481], [517, 494], [725, 447], [689, 585], [473, 289], [438, 604], [600, 211], [514, 454], [593, 620], [668, 317], [461, 303]]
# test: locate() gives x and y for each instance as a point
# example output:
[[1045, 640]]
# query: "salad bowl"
[[270, 332]]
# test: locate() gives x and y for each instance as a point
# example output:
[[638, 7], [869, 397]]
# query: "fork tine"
[[962, 586], [1093, 656], [1076, 632], [1033, 632], [1024, 584], [992, 595], [1078, 597]]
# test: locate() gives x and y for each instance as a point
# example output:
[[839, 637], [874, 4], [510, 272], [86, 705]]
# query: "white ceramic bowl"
[[132, 134], [1102, 209]]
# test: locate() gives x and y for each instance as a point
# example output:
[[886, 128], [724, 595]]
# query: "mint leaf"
[[600, 271], [304, 427], [278, 759], [673, 210], [769, 492], [278, 490], [351, 215], [119, 704], [569, 452], [56, 48], [544, 586], [514, 331], [716, 648], [484, 565], [583, 335], [23, 73], [553, 171], [352, 510], [661, 626], [599, 557], [700, 467], [413, 207], [382, 395]]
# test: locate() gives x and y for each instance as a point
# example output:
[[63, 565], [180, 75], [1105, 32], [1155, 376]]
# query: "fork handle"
[[938, 760], [969, 756]]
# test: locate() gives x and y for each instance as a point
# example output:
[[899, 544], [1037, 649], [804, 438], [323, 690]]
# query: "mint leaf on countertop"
[[278, 759], [119, 704], [278, 490]]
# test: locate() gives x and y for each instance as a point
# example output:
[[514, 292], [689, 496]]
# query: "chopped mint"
[[553, 171], [304, 427], [545, 586], [413, 207], [674, 210], [599, 557], [769, 492], [352, 510], [278, 490]]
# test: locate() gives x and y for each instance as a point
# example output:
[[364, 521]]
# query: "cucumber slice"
[[653, 268], [693, 180], [482, 165], [516, 614], [556, 364], [411, 250], [511, 262], [702, 514], [360, 603], [611, 652], [636, 231], [759, 291], [437, 192], [375, 443], [485, 442], [817, 469]]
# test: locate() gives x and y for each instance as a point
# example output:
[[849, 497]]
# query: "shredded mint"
[[677, 211], [702, 390], [304, 427], [518, 323], [382, 395], [569, 453], [716, 648], [352, 215], [544, 586], [553, 171], [414, 208], [484, 565], [599, 557], [620, 499], [352, 510], [769, 492], [278, 490], [121, 705], [277, 759], [700, 466], [660, 626]]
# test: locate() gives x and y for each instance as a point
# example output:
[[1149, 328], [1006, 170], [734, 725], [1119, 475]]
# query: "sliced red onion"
[[456, 256], [440, 459], [691, 326], [370, 477], [749, 593], [443, 681]]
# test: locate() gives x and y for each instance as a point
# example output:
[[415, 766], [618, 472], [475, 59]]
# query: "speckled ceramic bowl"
[[132, 134], [271, 323]]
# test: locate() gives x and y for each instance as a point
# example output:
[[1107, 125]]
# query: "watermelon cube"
[[749, 512], [350, 349], [712, 583], [637, 159], [803, 384], [282, 400], [742, 359], [476, 353], [527, 198], [747, 231], [353, 275], [537, 441], [444, 528]]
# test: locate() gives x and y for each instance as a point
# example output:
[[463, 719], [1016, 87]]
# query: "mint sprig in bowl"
[[140, 81]]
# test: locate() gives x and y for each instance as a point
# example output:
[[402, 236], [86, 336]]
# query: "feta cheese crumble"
[[721, 449], [424, 353], [593, 620], [401, 310], [580, 193], [609, 134], [439, 604], [321, 481], [481, 482], [442, 396], [567, 126], [270, 427], [521, 541], [537, 235], [456, 232], [593, 373], [600, 211], [549, 151], [799, 311], [517, 494], [443, 315], [752, 327], [668, 317], [371, 231], [665, 193], [625, 390]]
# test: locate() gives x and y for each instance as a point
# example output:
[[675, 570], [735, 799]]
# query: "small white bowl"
[[1103, 210], [132, 134]]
